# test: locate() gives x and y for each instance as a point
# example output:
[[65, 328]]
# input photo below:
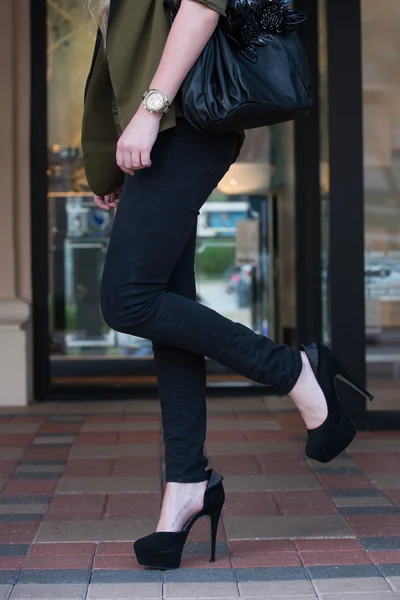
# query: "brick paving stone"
[[249, 424], [114, 548], [194, 561], [381, 543], [120, 426], [343, 585], [250, 504], [18, 533], [134, 506], [343, 502], [387, 462], [357, 493], [282, 467], [7, 467], [14, 549], [46, 453], [328, 545], [54, 440], [386, 480], [225, 436], [261, 546], [380, 557], [76, 507], [12, 453], [246, 483], [49, 592], [16, 439], [334, 558], [119, 530], [124, 591], [132, 451], [369, 510], [267, 436], [271, 559], [305, 502], [5, 591], [61, 550], [96, 439], [9, 577], [11, 563], [57, 562], [88, 468], [235, 465], [116, 562], [60, 428], [392, 495], [135, 467], [374, 525], [362, 596], [107, 485], [63, 576], [39, 469], [287, 526], [139, 437], [199, 576], [21, 509], [206, 590], [240, 448], [127, 576], [343, 482]]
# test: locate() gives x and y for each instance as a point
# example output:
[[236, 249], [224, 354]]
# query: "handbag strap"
[[171, 6]]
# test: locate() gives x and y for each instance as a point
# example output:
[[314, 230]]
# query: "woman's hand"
[[109, 201], [135, 144]]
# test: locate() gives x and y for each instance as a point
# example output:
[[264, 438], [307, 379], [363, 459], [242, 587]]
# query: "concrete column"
[[15, 267]]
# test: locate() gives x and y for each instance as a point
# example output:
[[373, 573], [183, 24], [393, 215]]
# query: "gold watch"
[[156, 101]]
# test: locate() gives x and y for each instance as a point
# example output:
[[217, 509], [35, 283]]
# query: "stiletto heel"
[[338, 430], [214, 520], [344, 376], [163, 549]]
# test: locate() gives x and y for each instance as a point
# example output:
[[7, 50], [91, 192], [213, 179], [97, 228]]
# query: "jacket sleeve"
[[218, 5]]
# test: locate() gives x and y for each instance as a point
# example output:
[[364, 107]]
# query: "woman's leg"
[[156, 215], [182, 388]]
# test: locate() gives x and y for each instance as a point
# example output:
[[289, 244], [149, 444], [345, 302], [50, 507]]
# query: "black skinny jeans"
[[148, 290]]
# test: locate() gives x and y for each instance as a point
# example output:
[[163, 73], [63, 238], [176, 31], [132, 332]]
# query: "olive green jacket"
[[137, 32]]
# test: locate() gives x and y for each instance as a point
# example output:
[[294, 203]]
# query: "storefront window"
[[381, 98]]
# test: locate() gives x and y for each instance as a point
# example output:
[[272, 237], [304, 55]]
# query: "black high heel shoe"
[[334, 435], [163, 549]]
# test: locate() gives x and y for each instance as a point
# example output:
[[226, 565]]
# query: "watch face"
[[155, 101]]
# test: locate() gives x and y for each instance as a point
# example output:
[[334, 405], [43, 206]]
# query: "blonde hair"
[[98, 11]]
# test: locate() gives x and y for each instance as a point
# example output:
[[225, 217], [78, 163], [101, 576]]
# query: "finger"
[[126, 160], [145, 158], [100, 202], [107, 199], [135, 160], [120, 162]]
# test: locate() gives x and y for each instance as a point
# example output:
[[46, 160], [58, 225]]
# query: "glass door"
[[236, 260]]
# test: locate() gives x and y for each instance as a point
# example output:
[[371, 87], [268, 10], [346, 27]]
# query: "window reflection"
[[381, 97]]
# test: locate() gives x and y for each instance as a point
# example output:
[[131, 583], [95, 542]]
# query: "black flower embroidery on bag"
[[252, 23]]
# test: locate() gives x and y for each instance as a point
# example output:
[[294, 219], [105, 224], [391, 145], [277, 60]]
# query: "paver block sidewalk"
[[80, 482]]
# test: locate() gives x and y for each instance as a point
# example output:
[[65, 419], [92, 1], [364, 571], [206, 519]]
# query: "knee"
[[126, 312], [111, 311]]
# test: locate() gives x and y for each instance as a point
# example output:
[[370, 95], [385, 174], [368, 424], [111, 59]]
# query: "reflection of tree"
[[381, 83], [69, 53]]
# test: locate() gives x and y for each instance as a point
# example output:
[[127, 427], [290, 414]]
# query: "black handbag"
[[253, 71]]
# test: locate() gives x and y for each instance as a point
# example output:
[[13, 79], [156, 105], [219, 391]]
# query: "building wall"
[[15, 260]]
